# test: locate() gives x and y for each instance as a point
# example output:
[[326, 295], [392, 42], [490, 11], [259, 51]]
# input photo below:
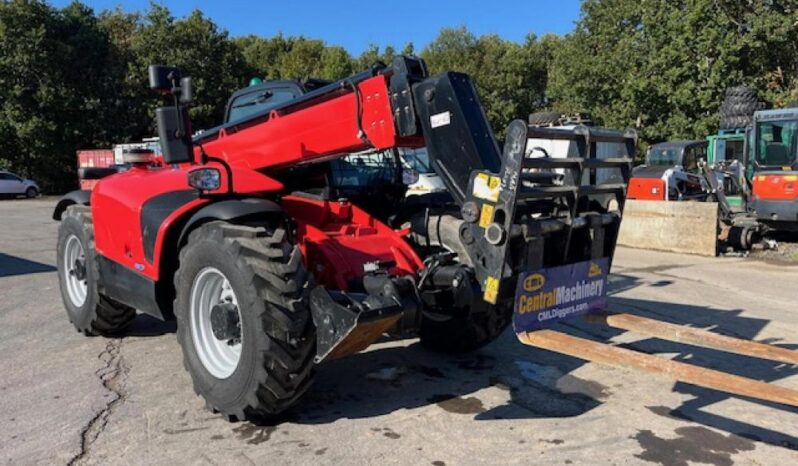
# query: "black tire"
[[471, 327], [545, 118], [97, 315], [741, 109], [741, 93], [466, 333], [266, 273], [736, 122], [31, 192]]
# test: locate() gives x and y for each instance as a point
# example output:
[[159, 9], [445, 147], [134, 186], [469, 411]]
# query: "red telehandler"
[[271, 264]]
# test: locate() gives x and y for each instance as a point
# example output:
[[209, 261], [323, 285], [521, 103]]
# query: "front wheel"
[[459, 334], [243, 320], [31, 192], [90, 312], [473, 324]]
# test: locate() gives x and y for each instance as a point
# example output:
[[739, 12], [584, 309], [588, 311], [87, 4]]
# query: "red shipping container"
[[100, 158]]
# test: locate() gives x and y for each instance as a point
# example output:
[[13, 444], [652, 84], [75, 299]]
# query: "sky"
[[355, 24]]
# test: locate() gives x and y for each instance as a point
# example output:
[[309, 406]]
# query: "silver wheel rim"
[[220, 357], [75, 271]]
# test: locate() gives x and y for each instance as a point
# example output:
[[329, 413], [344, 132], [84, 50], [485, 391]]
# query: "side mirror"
[[174, 134], [186, 90], [174, 124], [164, 79]]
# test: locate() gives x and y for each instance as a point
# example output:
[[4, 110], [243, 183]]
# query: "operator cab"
[[373, 180], [266, 96], [685, 154], [671, 172], [773, 167], [776, 136]]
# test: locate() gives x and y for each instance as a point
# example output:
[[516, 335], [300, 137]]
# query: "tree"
[[52, 77], [510, 77], [662, 66], [262, 55], [196, 46], [336, 63]]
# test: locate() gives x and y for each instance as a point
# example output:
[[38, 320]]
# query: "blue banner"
[[547, 296]]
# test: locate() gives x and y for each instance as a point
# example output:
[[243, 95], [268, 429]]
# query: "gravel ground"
[[786, 250]]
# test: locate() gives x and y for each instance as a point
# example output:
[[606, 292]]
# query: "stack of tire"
[[739, 106]]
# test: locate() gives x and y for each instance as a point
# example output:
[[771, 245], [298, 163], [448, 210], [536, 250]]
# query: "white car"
[[11, 184]]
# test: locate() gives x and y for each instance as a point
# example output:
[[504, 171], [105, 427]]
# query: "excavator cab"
[[774, 162]]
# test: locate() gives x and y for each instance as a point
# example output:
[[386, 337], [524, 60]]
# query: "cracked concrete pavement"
[[68, 399]]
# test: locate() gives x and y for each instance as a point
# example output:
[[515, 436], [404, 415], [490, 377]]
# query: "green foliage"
[[72, 79], [510, 77], [662, 66], [46, 56]]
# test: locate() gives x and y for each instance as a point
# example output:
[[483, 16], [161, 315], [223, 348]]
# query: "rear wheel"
[[243, 321], [78, 272]]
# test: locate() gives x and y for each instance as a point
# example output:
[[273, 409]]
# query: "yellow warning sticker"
[[491, 290], [487, 187], [486, 217]]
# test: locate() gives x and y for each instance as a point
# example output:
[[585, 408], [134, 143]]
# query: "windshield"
[[663, 157], [258, 101], [417, 159], [364, 169], [777, 143]]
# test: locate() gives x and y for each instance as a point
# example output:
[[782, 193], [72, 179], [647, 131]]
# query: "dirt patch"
[[253, 434], [458, 405], [387, 432], [693, 445]]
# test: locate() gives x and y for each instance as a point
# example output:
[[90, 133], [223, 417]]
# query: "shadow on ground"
[[540, 384], [13, 265]]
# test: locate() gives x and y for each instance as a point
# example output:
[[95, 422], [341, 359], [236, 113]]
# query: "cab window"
[[777, 143], [692, 156], [663, 157], [259, 101]]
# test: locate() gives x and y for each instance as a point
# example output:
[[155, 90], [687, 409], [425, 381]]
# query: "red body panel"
[[776, 186], [116, 204], [646, 189], [338, 239]]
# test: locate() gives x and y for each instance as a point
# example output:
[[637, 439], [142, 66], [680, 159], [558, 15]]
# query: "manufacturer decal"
[[491, 290], [487, 187], [486, 216], [440, 119], [544, 297]]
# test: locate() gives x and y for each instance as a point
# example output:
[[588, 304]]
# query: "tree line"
[[72, 78]]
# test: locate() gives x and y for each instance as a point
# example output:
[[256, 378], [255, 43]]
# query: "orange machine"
[[775, 168], [646, 189]]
